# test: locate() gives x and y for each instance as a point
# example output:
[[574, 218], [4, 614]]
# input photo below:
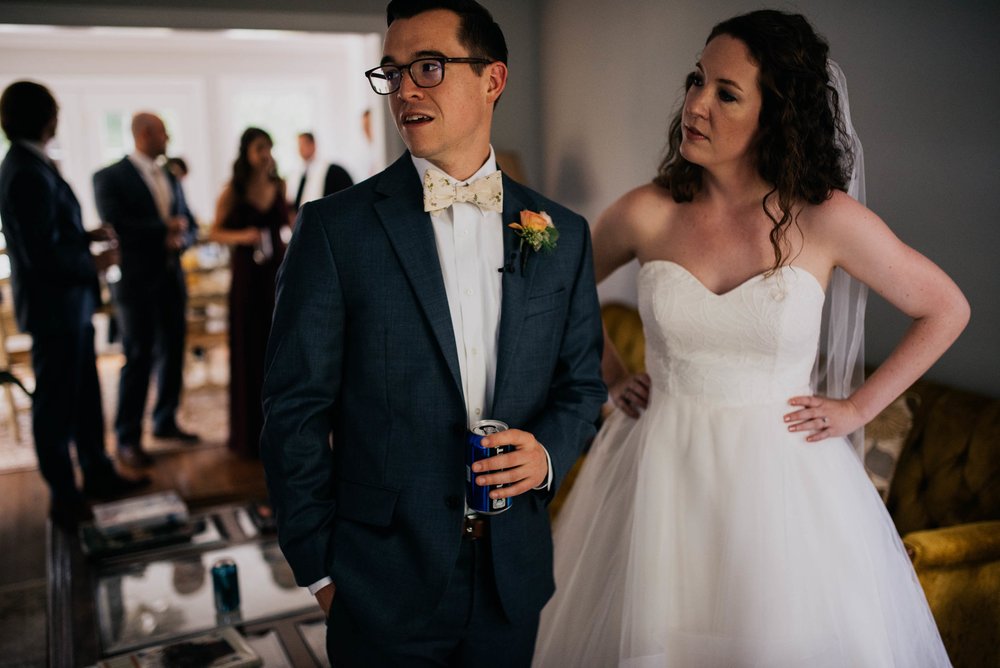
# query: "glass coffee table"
[[112, 604], [141, 603]]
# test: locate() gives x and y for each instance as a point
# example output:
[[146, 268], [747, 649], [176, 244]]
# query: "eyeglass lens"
[[426, 73]]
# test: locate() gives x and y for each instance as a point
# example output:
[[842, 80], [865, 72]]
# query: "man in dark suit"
[[314, 183], [405, 314], [55, 288], [145, 204]]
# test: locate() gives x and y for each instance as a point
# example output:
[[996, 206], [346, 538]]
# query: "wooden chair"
[[14, 349]]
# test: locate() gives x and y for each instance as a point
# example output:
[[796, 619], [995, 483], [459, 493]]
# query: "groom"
[[402, 318]]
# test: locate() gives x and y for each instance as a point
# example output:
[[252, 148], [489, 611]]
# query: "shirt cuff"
[[547, 485], [319, 584]]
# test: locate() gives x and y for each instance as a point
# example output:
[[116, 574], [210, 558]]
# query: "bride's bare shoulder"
[[838, 217], [648, 204]]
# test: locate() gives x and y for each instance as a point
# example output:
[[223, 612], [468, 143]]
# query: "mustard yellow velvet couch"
[[944, 500]]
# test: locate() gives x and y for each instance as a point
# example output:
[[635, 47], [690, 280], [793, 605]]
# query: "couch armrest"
[[955, 545], [959, 570]]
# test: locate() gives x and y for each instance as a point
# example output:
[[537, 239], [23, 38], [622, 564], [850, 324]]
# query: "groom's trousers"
[[467, 628]]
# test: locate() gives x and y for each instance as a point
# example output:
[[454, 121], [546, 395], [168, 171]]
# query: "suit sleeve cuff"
[[547, 485], [319, 584]]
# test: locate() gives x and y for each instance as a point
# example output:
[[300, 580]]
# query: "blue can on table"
[[226, 584], [476, 496]]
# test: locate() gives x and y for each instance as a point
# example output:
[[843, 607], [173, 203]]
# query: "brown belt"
[[474, 528]]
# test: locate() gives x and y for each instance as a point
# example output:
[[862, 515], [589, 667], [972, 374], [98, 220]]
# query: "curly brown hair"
[[799, 147], [242, 170]]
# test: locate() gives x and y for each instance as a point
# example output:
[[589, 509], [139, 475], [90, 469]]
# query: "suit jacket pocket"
[[545, 303], [367, 504]]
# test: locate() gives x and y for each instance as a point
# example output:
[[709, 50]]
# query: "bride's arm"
[[616, 232], [864, 246], [615, 241]]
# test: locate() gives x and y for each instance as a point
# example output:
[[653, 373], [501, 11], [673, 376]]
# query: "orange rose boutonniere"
[[537, 231]]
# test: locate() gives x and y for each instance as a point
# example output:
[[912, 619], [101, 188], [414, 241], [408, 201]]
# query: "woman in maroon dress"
[[249, 216]]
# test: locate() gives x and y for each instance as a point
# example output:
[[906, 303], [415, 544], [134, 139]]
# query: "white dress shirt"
[[314, 172], [470, 249], [156, 180]]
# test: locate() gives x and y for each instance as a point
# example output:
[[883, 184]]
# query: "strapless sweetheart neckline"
[[736, 287]]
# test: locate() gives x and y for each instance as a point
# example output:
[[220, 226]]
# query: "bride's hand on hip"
[[631, 393], [823, 417]]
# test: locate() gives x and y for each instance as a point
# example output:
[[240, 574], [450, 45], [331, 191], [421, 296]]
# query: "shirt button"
[[479, 411], [475, 351], [468, 292]]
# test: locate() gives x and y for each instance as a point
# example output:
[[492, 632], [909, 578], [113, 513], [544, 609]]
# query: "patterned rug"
[[204, 409]]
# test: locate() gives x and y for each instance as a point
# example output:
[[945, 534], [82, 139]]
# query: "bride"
[[731, 523]]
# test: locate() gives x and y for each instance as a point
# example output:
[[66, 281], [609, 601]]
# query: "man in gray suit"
[[407, 310]]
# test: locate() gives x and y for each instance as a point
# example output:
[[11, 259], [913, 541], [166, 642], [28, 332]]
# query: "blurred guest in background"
[[178, 167], [314, 181], [145, 204], [249, 216], [369, 134], [54, 280]]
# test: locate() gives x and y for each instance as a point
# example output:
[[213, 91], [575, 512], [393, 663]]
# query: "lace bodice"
[[756, 343]]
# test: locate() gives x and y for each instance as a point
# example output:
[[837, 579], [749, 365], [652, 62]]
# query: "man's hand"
[[325, 598], [524, 469], [175, 242], [104, 233], [177, 224], [105, 247], [106, 259]]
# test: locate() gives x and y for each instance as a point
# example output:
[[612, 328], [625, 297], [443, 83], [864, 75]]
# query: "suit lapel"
[[516, 287], [139, 185], [412, 237]]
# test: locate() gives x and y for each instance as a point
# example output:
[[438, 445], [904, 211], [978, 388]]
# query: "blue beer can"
[[476, 496], [226, 584]]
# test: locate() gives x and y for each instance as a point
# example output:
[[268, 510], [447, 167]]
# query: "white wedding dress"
[[705, 534]]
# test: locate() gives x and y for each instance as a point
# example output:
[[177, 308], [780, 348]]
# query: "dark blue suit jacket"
[[362, 347], [53, 277], [125, 202]]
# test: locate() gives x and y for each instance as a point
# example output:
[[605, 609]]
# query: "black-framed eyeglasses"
[[429, 72]]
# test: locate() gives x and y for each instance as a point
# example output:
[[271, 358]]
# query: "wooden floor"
[[201, 475]]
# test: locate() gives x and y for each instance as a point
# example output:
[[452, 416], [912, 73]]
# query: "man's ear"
[[496, 74]]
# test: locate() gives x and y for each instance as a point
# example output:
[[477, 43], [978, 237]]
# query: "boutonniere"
[[536, 231]]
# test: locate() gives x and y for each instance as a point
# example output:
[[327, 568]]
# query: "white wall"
[[924, 92]]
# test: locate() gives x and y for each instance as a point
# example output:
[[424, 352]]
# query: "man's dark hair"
[[26, 110], [179, 163], [478, 32], [307, 135]]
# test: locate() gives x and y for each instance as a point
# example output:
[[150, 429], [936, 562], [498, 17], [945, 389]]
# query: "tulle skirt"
[[704, 536]]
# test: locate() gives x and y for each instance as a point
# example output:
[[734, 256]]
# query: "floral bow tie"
[[440, 192]]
